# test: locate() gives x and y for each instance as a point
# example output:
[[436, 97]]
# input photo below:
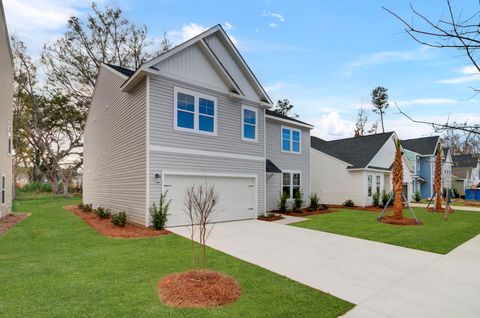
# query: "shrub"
[[80, 205], [160, 213], [348, 203], [37, 187], [455, 193], [86, 207], [298, 201], [283, 202], [385, 197], [103, 213], [417, 198], [376, 198], [314, 202], [323, 207], [119, 219]]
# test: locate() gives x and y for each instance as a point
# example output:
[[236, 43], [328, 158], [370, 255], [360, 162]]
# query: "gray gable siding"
[[227, 141], [115, 148], [286, 161]]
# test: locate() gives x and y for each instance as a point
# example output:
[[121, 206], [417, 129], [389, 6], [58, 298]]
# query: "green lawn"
[[53, 265], [435, 235]]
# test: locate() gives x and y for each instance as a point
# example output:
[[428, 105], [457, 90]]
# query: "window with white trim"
[[378, 184], [291, 183], [370, 184], [249, 123], [291, 140], [3, 185], [9, 138], [195, 112]]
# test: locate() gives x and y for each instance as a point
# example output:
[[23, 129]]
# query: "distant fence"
[[472, 194]]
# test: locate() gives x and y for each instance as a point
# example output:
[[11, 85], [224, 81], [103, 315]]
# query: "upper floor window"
[[9, 138], [195, 112], [249, 123], [291, 140]]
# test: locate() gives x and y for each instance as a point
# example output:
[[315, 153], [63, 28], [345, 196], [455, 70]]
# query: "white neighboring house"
[[465, 172], [6, 117], [447, 162], [355, 168], [195, 114]]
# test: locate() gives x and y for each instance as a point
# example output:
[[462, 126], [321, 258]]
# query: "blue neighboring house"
[[421, 154]]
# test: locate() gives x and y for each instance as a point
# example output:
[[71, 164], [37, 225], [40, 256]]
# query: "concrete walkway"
[[383, 280], [455, 207]]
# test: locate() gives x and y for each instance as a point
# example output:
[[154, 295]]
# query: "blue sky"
[[324, 56]]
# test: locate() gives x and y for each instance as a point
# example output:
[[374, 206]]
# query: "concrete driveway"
[[383, 280]]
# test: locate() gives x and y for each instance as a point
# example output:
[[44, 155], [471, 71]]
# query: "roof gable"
[[356, 151], [424, 146]]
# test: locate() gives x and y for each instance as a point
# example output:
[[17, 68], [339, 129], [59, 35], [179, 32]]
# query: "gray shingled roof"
[[357, 151], [422, 146], [275, 114], [124, 71], [271, 167], [467, 161]]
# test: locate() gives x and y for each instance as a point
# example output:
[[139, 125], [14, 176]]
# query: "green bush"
[[322, 207], [119, 219], [348, 203], [160, 213], [103, 213], [417, 198], [37, 187], [283, 202], [298, 201], [314, 202], [385, 197], [87, 207], [376, 198]]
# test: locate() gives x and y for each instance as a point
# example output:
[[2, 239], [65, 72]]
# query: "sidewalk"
[[455, 207]]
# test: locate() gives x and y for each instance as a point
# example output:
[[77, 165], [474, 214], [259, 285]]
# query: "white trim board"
[[196, 152]]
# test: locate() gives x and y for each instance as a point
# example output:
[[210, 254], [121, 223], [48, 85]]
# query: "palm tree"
[[438, 178], [398, 183]]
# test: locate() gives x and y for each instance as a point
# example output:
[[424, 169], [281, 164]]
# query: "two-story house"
[[423, 150], [465, 172], [447, 162], [6, 113], [195, 114]]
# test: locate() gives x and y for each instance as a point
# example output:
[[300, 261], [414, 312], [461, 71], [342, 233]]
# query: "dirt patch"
[[403, 221], [270, 218], [105, 226], [198, 289], [450, 210], [10, 220]]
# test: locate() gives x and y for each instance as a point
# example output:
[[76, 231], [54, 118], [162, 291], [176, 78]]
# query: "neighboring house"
[[6, 117], [192, 115], [422, 152], [288, 157], [355, 168], [447, 162], [466, 172]]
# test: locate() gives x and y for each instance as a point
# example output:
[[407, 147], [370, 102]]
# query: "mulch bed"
[[275, 217], [198, 289], [388, 219], [10, 220], [442, 210], [370, 208], [105, 226], [307, 213]]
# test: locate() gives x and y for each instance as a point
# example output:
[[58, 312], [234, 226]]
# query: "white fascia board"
[[289, 122]]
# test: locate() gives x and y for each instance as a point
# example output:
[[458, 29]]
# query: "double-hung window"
[[195, 112], [370, 181], [249, 123], [3, 184], [291, 140], [291, 183], [378, 184]]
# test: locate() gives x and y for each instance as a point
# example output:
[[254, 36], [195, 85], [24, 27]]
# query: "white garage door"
[[236, 196]]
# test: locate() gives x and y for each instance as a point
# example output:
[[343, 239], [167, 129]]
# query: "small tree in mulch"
[[199, 287]]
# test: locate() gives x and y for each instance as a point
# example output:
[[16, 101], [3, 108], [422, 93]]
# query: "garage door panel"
[[236, 196]]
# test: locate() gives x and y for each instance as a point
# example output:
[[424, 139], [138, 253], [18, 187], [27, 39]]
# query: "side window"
[[2, 189], [249, 123], [195, 112], [378, 184], [291, 183], [291, 140], [370, 185], [9, 138]]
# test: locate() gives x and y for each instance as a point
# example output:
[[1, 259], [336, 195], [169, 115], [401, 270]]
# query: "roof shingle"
[[422, 146]]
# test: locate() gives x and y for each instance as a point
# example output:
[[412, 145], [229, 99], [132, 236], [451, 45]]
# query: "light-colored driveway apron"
[[383, 280]]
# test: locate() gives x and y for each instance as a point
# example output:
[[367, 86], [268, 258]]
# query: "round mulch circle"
[[198, 289], [403, 221]]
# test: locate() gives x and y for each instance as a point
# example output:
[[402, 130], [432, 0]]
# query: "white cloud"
[[193, 29], [428, 101], [272, 25], [469, 74], [422, 53], [227, 26], [331, 126], [273, 15]]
